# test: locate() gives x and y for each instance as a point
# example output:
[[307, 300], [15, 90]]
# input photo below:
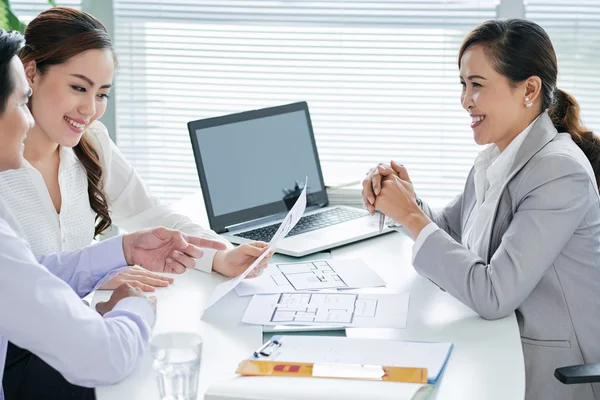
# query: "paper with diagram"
[[311, 275], [352, 310], [285, 227]]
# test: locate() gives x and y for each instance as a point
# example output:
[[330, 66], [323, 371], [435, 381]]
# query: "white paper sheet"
[[277, 387], [290, 220], [352, 310], [311, 275]]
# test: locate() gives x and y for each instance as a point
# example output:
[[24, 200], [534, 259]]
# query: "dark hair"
[[52, 38], [10, 43], [520, 49]]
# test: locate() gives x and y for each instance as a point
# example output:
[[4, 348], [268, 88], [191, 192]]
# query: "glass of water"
[[177, 362]]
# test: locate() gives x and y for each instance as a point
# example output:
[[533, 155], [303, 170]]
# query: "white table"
[[486, 363]]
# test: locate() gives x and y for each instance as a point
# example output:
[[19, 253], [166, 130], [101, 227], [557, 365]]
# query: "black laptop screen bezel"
[[221, 222]]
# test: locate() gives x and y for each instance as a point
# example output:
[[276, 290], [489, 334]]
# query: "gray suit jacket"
[[542, 260]]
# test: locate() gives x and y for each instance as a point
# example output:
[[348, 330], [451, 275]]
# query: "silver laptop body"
[[250, 165]]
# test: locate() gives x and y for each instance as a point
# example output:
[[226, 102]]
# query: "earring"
[[528, 105]]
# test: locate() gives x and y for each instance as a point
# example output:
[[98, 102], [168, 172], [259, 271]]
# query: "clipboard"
[[348, 358]]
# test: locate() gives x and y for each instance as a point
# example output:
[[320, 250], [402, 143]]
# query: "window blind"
[[380, 79], [574, 28], [26, 10]]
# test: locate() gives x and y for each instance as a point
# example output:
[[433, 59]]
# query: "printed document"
[[290, 220], [311, 275], [351, 310]]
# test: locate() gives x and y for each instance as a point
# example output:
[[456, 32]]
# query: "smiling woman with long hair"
[[524, 236], [75, 183]]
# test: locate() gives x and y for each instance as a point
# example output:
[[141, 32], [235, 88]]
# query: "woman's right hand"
[[372, 183]]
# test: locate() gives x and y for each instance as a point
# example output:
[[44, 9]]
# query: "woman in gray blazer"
[[524, 235]]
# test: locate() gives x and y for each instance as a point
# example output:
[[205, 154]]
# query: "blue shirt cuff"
[[106, 257], [139, 306]]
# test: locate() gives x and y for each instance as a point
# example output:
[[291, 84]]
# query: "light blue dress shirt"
[[41, 311]]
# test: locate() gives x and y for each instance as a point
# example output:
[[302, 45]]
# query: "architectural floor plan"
[[330, 274], [307, 276], [326, 308], [329, 308]]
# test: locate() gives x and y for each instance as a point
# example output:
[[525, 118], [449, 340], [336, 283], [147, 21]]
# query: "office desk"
[[486, 363]]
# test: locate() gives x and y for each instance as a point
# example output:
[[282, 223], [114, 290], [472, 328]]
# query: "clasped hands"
[[388, 189]]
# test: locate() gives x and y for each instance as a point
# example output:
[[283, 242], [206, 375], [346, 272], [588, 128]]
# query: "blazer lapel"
[[469, 200], [542, 132]]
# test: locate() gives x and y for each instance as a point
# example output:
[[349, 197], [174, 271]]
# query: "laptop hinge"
[[264, 220]]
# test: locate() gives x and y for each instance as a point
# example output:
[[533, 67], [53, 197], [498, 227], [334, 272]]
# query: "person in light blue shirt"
[[40, 306]]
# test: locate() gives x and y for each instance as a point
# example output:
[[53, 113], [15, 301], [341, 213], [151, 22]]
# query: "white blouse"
[[24, 194], [491, 172]]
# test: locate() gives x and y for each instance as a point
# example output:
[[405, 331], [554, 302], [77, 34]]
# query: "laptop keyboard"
[[307, 223]]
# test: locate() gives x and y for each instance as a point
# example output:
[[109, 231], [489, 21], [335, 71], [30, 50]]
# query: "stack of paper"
[[377, 352], [277, 388], [331, 351]]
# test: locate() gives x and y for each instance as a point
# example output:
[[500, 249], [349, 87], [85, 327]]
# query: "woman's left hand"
[[398, 201], [234, 262]]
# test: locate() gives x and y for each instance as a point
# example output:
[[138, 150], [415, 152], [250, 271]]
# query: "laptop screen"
[[252, 162]]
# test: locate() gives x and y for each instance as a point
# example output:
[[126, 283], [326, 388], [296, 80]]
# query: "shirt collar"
[[499, 167], [486, 157]]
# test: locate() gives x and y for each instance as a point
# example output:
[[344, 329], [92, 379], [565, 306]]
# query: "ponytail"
[[91, 162], [564, 113]]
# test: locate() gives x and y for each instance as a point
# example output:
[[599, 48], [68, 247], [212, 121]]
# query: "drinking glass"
[[177, 363]]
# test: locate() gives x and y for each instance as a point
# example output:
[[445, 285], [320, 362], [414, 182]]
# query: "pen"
[[381, 221]]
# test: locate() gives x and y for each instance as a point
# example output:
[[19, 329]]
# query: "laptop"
[[252, 167]]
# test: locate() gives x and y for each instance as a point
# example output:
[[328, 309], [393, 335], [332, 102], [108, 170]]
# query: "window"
[[26, 10], [380, 78], [574, 28]]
